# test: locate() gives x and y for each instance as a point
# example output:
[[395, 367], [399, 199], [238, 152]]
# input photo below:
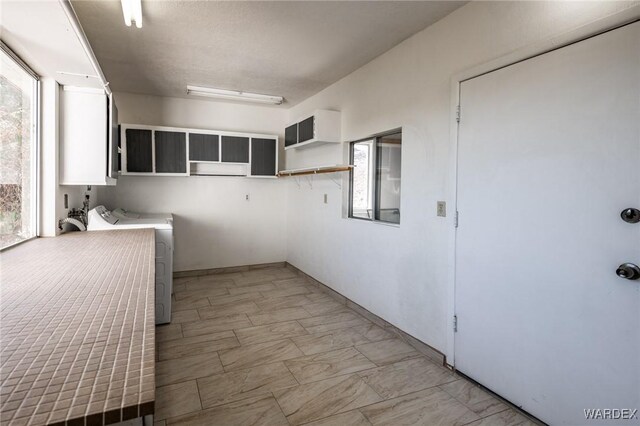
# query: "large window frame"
[[34, 150], [375, 183]]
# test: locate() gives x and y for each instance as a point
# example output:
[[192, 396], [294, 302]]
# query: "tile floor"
[[264, 347]]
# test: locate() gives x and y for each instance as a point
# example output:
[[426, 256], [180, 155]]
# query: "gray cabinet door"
[[235, 149], [139, 151], [263, 157], [204, 147], [291, 135], [305, 130], [171, 152]]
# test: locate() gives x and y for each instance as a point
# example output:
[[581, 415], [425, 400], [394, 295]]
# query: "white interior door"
[[548, 157]]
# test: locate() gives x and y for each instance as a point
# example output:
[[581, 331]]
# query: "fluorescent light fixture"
[[233, 95], [132, 11]]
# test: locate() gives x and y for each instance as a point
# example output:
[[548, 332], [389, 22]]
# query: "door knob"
[[628, 271], [630, 215]]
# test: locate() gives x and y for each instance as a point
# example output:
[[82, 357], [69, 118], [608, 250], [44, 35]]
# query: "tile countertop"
[[77, 333]]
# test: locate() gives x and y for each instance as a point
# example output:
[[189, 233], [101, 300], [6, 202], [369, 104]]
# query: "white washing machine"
[[100, 219]]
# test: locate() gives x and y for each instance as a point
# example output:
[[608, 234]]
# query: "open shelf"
[[316, 170]]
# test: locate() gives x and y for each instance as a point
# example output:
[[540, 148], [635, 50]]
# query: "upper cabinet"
[[319, 128], [148, 150], [307, 129], [88, 137], [291, 135], [264, 157], [138, 156], [204, 147], [235, 149], [170, 151]]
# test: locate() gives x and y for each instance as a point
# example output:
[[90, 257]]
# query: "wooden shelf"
[[316, 170]]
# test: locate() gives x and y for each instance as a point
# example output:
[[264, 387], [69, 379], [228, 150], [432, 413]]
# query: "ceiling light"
[[233, 95], [132, 11]]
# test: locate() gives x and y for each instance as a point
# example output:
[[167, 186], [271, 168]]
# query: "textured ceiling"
[[290, 49]]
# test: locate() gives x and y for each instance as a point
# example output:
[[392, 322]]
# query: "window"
[[18, 137], [375, 179]]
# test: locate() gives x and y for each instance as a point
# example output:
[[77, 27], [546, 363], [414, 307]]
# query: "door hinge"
[[455, 219], [458, 113], [455, 323]]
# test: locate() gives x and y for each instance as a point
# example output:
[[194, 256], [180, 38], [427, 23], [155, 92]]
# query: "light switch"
[[442, 208]]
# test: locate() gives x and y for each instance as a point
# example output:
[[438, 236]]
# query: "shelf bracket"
[[310, 181], [336, 181], [297, 181]]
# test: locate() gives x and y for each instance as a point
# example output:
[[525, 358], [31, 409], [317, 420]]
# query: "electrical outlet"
[[246, 197], [325, 199], [442, 208], [66, 201]]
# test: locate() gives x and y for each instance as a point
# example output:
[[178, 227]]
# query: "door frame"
[[584, 32]]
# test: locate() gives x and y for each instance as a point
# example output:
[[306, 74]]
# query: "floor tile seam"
[[370, 360], [291, 372], [397, 397], [350, 373], [241, 399], [275, 338], [199, 396], [507, 408], [335, 322], [331, 350], [440, 389], [206, 341], [337, 414], [166, 419], [281, 409], [184, 381], [193, 292], [272, 323], [393, 338], [307, 311], [342, 412], [488, 395], [414, 391], [256, 365]]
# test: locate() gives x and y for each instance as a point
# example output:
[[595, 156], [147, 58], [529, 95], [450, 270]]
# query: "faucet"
[[85, 203]]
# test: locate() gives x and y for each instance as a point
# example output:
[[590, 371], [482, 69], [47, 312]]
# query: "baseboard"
[[227, 270], [418, 345]]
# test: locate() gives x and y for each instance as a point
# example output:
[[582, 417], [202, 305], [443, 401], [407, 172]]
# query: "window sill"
[[377, 222], [17, 243]]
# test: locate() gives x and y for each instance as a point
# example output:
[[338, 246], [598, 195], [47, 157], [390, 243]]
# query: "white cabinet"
[[321, 127], [88, 142]]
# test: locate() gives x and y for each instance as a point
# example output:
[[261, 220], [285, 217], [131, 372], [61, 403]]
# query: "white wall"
[[215, 226], [403, 274]]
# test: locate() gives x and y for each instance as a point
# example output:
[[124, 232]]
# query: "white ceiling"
[[290, 49]]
